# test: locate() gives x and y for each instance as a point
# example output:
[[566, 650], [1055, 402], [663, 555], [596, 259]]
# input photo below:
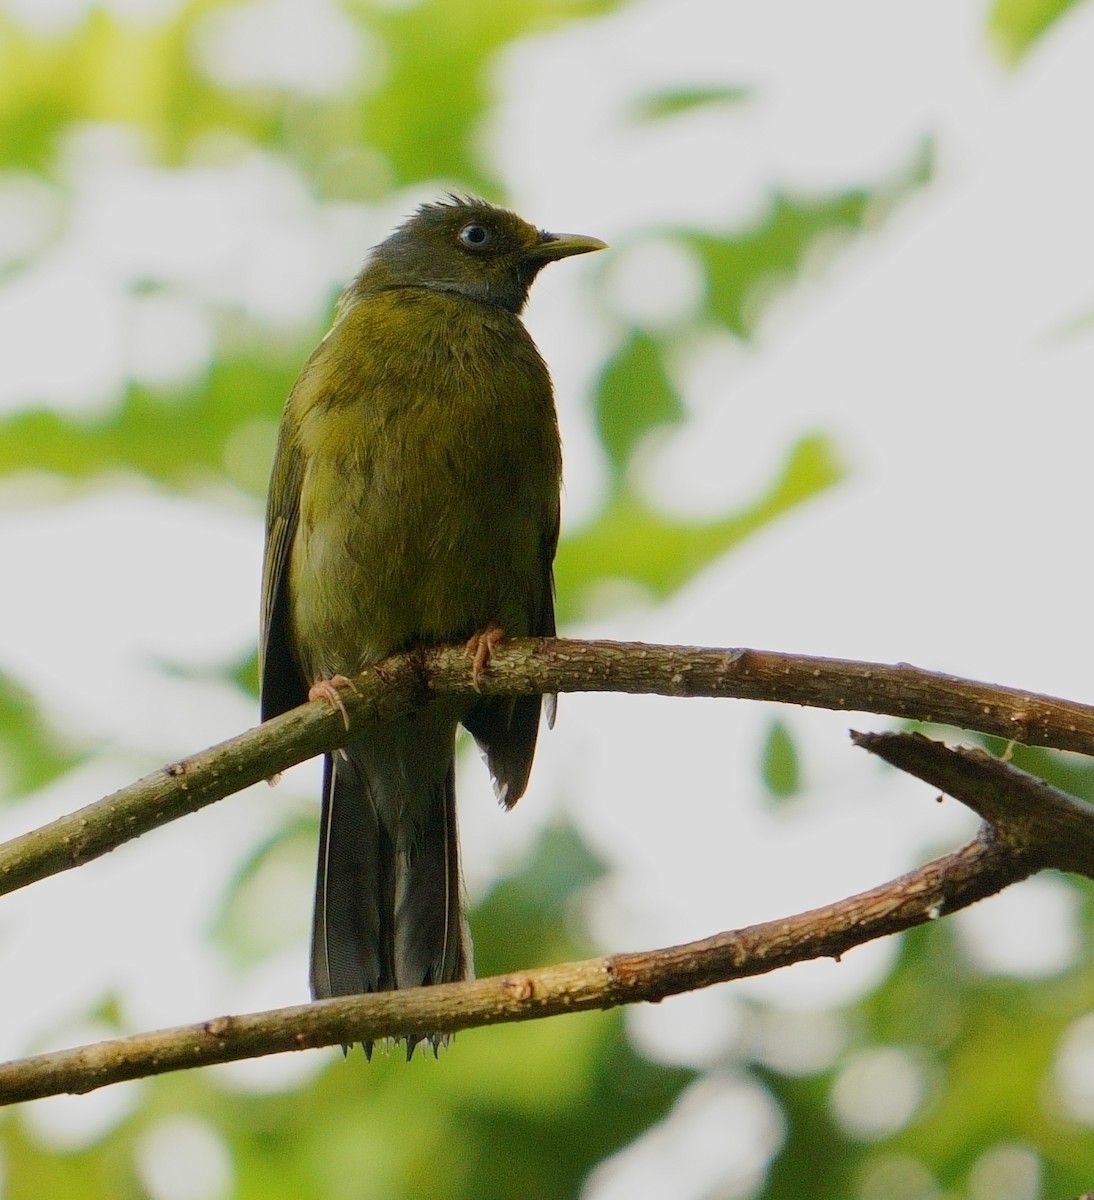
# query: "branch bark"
[[524, 667], [1054, 829], [985, 865], [1028, 826]]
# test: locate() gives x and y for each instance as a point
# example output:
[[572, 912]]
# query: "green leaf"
[[1069, 772], [536, 902], [633, 397], [993, 1041], [244, 674], [817, 1158], [31, 752], [223, 428], [632, 541], [114, 70], [779, 766], [735, 266], [1014, 25], [741, 267], [658, 105], [437, 88]]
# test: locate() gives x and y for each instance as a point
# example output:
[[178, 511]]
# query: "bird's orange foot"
[[331, 691], [480, 646]]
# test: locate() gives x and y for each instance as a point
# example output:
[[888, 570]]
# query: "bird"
[[414, 500]]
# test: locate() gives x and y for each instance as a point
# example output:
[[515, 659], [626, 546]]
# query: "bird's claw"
[[331, 691], [480, 646]]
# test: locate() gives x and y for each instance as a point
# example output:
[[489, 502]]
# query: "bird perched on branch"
[[414, 499]]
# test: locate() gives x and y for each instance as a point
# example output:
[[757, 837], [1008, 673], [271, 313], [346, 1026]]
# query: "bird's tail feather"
[[351, 931], [431, 942], [388, 904]]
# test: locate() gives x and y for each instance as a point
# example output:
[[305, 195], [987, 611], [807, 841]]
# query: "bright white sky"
[[945, 353]]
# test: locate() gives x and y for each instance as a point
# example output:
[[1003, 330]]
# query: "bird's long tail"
[[388, 905]]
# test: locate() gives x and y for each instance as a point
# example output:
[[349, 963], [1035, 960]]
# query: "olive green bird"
[[414, 499]]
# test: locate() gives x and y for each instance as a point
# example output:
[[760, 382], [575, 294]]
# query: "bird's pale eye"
[[476, 236]]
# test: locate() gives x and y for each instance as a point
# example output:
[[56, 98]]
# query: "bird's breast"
[[430, 488]]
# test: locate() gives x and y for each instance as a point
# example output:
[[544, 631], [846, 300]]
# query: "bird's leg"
[[331, 691], [480, 646]]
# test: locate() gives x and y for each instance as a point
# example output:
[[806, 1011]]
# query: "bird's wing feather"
[[506, 730], [547, 623], [282, 686]]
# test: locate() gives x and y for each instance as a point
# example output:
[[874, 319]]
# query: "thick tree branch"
[[523, 667], [984, 866]]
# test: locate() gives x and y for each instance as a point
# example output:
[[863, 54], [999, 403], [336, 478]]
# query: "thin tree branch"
[[1054, 828], [524, 667], [1029, 826], [984, 866]]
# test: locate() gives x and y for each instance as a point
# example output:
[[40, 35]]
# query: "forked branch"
[[1028, 826]]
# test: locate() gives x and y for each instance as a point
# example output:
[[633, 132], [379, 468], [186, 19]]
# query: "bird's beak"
[[552, 246]]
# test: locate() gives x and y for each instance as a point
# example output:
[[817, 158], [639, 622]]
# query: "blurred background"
[[829, 391]]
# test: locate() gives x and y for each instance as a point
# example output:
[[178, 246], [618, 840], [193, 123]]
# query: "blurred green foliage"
[[678, 100], [31, 752], [178, 440], [1015, 25], [518, 1110], [525, 1110], [780, 769]]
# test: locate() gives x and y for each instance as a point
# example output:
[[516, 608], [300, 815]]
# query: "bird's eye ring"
[[475, 236]]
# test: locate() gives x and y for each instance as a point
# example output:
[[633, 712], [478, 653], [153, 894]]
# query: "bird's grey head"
[[467, 246]]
